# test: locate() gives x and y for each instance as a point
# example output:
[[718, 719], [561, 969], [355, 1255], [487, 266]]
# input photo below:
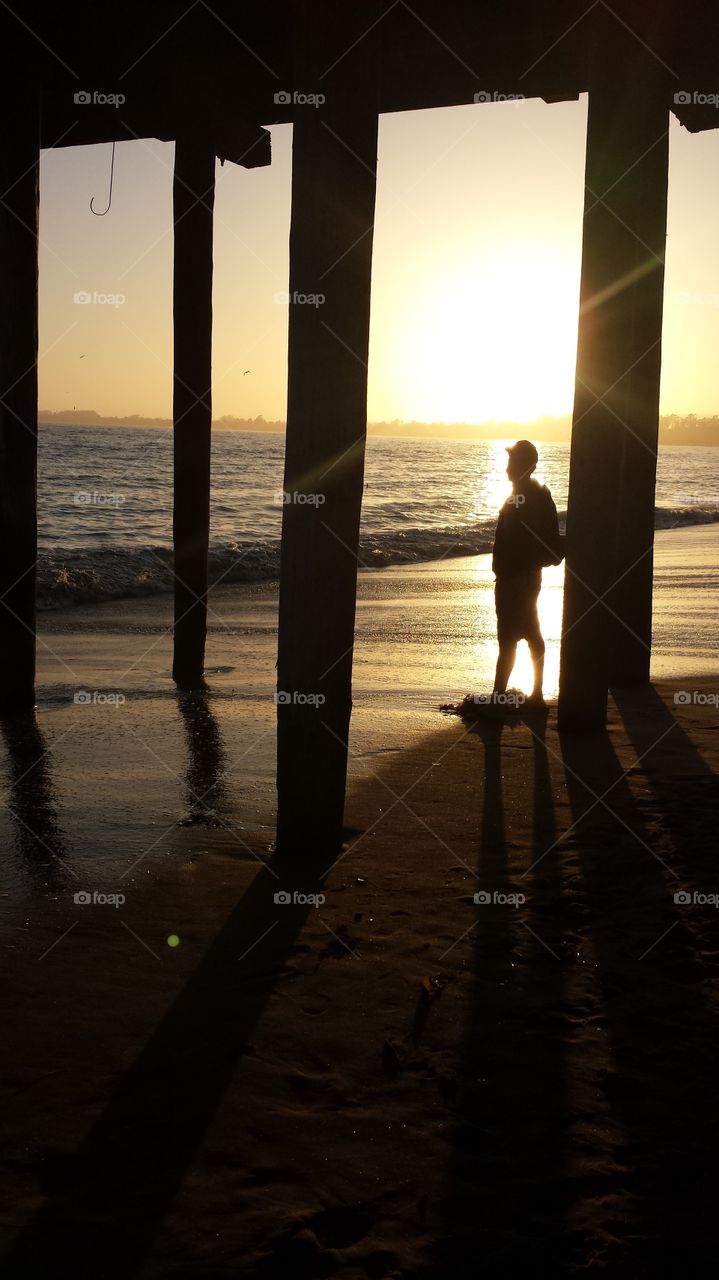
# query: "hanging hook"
[[109, 197]]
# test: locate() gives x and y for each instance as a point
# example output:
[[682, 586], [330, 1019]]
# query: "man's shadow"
[[508, 1191]]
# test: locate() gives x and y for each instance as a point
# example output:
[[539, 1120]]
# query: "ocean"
[[105, 504]]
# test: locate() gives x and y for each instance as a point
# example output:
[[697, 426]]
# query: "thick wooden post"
[[631, 598], [193, 200], [19, 203], [333, 198], [619, 282]]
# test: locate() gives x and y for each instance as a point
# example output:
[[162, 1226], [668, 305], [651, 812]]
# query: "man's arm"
[[552, 537], [498, 548]]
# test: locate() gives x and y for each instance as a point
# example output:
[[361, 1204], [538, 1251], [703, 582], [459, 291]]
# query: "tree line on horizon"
[[674, 428]]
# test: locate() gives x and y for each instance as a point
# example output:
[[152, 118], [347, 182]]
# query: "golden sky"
[[475, 272]]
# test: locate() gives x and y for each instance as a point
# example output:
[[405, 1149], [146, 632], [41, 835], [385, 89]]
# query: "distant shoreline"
[[689, 432]]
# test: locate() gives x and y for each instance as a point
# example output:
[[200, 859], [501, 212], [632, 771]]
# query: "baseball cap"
[[525, 451]]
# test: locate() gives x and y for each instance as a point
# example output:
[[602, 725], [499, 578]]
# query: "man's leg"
[[536, 649], [505, 664], [505, 605], [535, 640]]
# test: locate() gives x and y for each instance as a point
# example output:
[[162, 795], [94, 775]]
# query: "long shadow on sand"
[[624, 1173], [522, 1189], [506, 1202], [32, 803], [128, 1170], [661, 1031], [115, 1190], [685, 787]]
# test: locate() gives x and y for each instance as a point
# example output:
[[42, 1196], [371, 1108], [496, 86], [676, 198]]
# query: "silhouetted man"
[[527, 538]]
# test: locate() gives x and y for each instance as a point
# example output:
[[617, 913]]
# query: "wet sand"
[[396, 1081]]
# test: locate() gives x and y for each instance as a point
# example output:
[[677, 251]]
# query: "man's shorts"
[[515, 599]]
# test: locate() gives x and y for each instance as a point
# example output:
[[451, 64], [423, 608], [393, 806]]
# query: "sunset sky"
[[475, 276]]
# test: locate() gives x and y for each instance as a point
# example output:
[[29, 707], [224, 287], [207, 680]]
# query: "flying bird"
[[247, 371]]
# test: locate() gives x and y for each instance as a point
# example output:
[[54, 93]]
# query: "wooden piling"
[[631, 598], [333, 198], [193, 203], [19, 206], [620, 286]]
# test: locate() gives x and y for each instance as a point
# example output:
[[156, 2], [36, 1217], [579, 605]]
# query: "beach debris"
[[340, 945], [434, 985], [431, 987], [394, 1055], [397, 1051]]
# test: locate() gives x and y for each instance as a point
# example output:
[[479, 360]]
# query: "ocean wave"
[[89, 574], [680, 517]]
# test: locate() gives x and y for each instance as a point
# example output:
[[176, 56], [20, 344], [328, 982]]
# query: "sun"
[[492, 338]]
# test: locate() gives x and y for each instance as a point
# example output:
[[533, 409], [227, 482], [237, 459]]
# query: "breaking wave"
[[89, 574]]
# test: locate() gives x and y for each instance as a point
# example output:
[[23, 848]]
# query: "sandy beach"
[[359, 586], [394, 1080]]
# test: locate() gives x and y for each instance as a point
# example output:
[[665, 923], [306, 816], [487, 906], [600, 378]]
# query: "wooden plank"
[[333, 199], [225, 125], [19, 207], [193, 201]]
